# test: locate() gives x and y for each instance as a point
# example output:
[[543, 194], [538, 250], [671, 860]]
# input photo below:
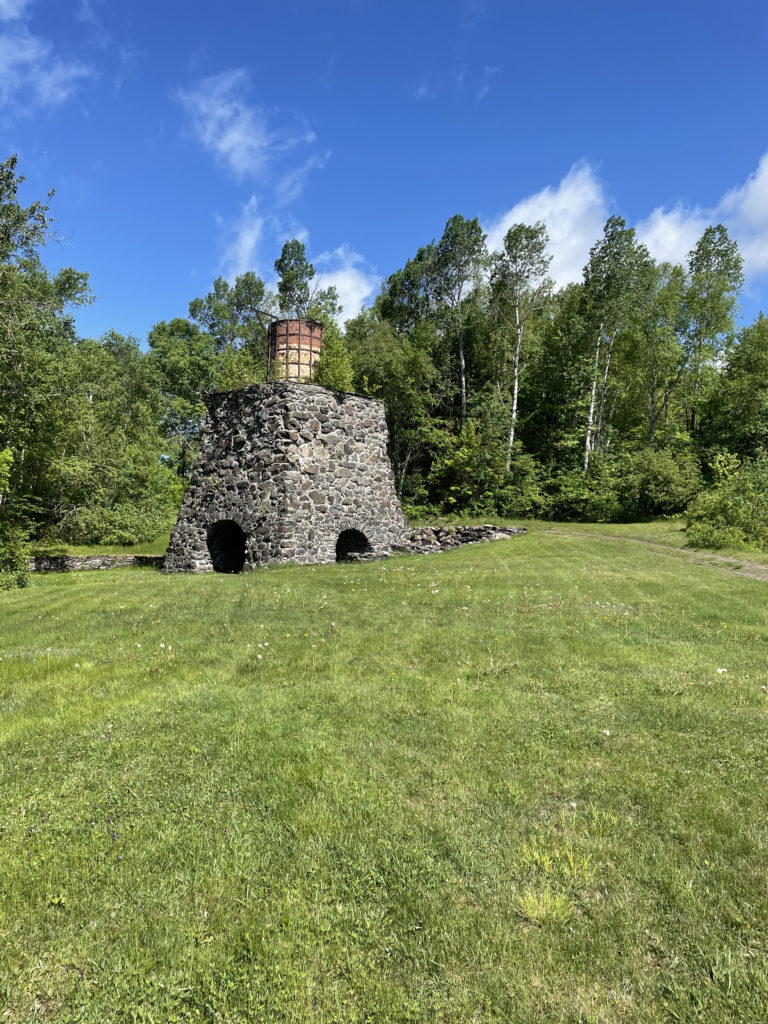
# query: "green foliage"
[[659, 482], [184, 366], [733, 513], [523, 492], [736, 413], [239, 368], [135, 522], [14, 554], [6, 460], [415, 512], [22, 230], [236, 318], [466, 472], [296, 273], [334, 367], [594, 496]]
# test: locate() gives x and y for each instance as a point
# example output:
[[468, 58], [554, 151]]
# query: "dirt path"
[[737, 566]]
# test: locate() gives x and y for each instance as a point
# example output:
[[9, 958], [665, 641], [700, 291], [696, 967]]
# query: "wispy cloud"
[[276, 150], [463, 80], [87, 14], [241, 134], [32, 76], [291, 184], [485, 87], [10, 10], [244, 237], [424, 91]]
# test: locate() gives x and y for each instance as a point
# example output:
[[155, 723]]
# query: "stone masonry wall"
[[293, 465]]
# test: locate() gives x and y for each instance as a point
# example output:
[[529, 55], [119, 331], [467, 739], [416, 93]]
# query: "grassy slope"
[[503, 783]]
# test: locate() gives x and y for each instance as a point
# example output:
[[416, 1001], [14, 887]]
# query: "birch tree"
[[615, 281], [460, 257], [520, 288], [715, 279]]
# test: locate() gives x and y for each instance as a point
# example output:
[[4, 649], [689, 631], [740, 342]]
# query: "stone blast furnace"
[[294, 348], [288, 473]]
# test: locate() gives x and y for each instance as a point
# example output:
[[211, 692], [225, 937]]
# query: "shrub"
[[523, 494], [14, 556], [593, 497], [414, 512], [120, 524], [467, 473], [659, 481], [334, 367], [733, 513]]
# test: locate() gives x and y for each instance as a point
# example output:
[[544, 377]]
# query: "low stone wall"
[[423, 540], [84, 563], [427, 539]]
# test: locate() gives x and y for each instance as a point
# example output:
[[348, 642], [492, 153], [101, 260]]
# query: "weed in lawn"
[[545, 907]]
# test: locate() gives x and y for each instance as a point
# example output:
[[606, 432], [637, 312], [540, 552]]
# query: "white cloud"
[[353, 277], [31, 76], [671, 234], [236, 131], [12, 9], [242, 250], [574, 213]]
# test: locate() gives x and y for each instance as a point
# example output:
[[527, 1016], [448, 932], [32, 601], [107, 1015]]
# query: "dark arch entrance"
[[350, 545], [226, 544]]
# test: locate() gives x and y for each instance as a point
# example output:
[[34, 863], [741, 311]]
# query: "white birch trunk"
[[463, 372], [515, 382], [591, 416]]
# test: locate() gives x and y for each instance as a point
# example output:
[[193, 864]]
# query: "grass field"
[[521, 781]]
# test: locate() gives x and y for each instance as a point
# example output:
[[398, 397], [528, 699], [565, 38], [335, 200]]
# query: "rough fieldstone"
[[264, 490]]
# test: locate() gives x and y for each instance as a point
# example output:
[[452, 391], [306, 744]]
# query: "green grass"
[[504, 783], [152, 547]]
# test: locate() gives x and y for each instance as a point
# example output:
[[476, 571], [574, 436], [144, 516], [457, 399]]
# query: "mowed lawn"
[[520, 781]]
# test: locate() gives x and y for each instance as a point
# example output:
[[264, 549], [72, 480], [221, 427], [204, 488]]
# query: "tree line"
[[630, 393]]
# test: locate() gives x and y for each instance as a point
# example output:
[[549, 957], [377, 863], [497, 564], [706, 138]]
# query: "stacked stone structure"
[[288, 473]]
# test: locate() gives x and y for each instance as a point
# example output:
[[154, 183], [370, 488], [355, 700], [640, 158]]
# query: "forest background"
[[629, 394]]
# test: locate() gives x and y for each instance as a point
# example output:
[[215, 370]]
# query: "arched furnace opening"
[[350, 545], [226, 544]]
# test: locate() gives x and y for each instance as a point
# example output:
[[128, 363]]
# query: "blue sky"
[[187, 140]]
